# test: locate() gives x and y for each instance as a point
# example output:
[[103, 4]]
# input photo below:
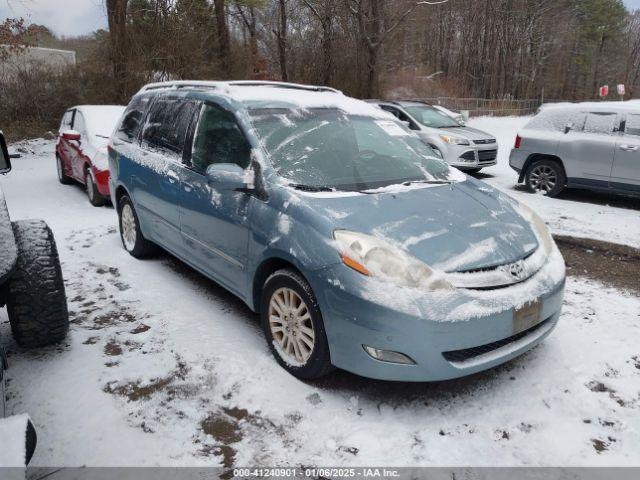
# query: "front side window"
[[133, 118], [218, 139], [79, 124], [431, 117], [328, 148], [632, 125], [67, 120], [599, 122], [168, 123]]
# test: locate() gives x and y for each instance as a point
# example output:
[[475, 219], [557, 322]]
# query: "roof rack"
[[237, 83]]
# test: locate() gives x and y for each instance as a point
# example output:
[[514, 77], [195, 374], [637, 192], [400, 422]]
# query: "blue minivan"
[[357, 245]]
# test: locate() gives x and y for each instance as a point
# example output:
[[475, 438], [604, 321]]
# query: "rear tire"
[[294, 328], [36, 299], [62, 177], [546, 177], [93, 194], [132, 239]]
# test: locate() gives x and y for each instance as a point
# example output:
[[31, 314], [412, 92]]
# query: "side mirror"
[[227, 176], [5, 162], [71, 135]]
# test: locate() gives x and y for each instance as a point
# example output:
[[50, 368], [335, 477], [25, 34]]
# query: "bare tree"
[[117, 19], [324, 11], [222, 29], [281, 36], [375, 25]]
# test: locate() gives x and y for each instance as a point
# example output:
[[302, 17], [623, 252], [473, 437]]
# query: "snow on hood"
[[466, 132], [457, 227]]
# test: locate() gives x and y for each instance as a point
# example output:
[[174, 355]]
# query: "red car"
[[81, 151]]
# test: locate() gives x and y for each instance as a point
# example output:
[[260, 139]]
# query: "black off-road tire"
[[549, 165], [62, 177], [36, 300], [319, 363], [142, 248], [94, 196]]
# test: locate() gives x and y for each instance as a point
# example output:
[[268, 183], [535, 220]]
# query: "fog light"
[[388, 356]]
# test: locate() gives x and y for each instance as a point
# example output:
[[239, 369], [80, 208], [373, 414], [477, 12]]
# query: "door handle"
[[172, 176], [628, 148]]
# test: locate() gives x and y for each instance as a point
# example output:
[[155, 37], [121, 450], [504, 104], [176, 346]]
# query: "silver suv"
[[583, 145], [466, 148]]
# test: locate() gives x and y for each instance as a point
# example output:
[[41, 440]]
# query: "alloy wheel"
[[543, 178], [129, 229], [291, 326]]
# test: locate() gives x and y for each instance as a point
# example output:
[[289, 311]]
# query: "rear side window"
[[557, 121], [218, 139], [133, 118], [632, 124], [600, 122], [168, 123]]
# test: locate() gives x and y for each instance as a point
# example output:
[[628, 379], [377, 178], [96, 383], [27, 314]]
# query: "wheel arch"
[[265, 269], [120, 192], [540, 156]]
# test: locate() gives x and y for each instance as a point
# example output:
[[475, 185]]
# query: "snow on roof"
[[596, 106], [101, 119], [262, 94]]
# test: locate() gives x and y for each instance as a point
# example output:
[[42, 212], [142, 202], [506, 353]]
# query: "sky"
[[64, 17], [77, 17]]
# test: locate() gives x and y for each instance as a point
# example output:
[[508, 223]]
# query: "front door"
[[625, 174], [214, 225], [588, 154]]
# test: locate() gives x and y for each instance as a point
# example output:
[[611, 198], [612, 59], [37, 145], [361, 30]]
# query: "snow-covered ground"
[[162, 367]]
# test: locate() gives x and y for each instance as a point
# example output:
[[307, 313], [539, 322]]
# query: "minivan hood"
[[466, 132], [458, 227]]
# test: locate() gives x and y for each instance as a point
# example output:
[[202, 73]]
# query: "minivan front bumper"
[[441, 349]]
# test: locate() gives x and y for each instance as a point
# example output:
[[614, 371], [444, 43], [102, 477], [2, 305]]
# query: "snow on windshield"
[[324, 148], [101, 120]]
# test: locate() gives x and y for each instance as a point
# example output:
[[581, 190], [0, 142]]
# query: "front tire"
[[546, 177], [62, 177], [293, 326], [36, 299], [132, 239], [93, 194]]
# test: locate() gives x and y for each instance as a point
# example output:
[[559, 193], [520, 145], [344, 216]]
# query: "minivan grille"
[[465, 354], [487, 155]]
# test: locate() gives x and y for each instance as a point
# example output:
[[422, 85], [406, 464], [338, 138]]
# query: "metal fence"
[[486, 106]]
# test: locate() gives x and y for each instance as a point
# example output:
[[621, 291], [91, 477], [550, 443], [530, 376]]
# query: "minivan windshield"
[[326, 148], [431, 117]]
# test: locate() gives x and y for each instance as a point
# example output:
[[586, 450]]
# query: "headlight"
[[374, 257], [454, 140], [539, 227]]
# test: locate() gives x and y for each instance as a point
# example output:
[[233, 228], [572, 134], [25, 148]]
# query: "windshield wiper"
[[311, 188], [430, 182], [102, 136]]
